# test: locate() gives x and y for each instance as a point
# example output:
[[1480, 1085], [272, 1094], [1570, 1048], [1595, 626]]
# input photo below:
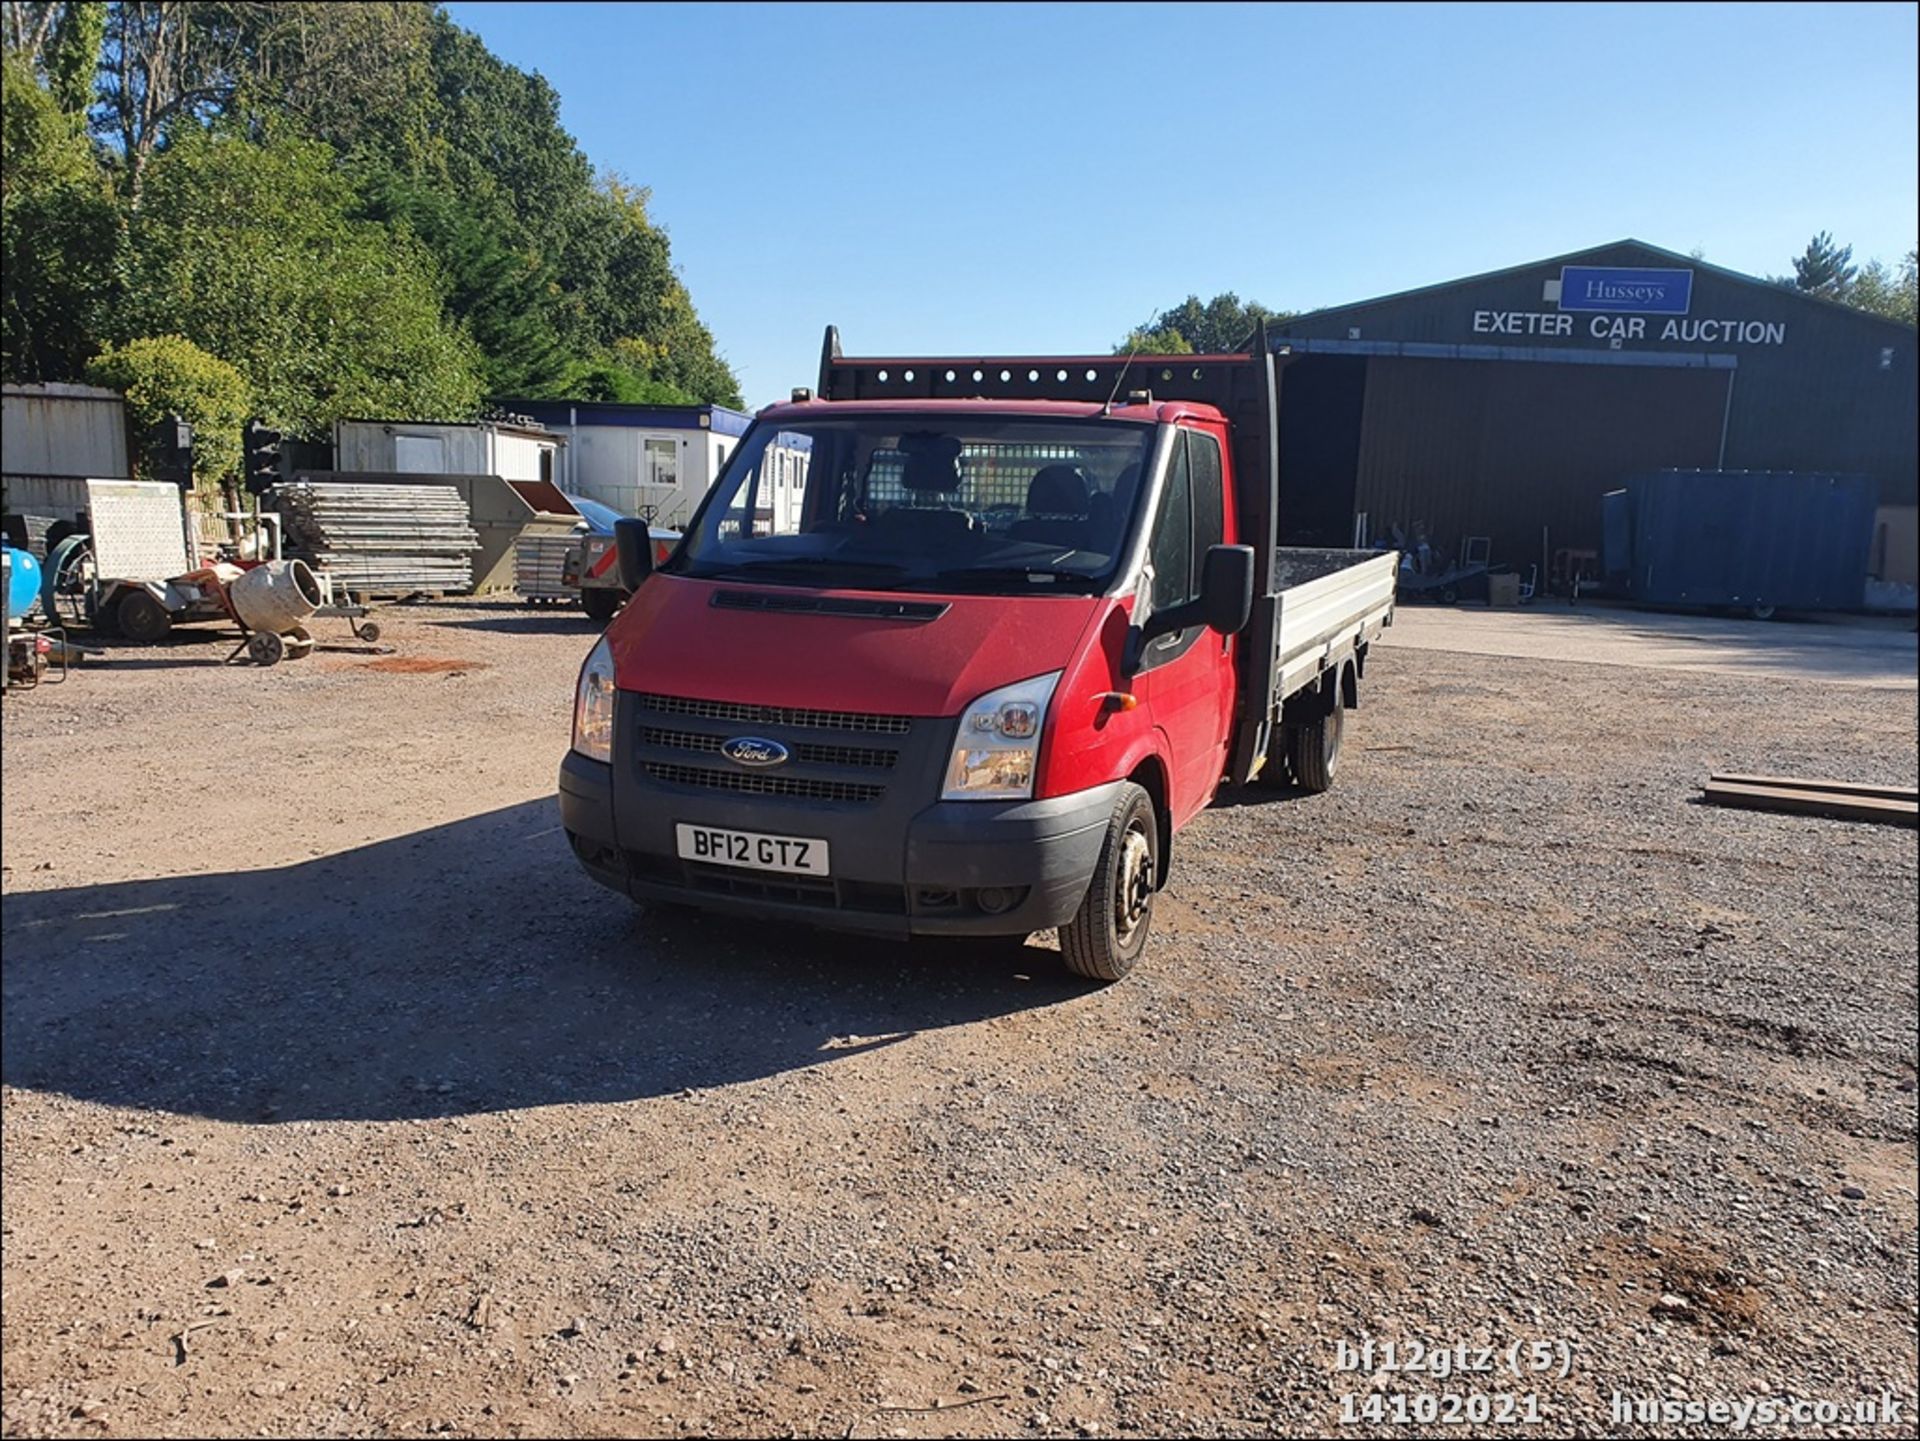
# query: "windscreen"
[[919, 502]]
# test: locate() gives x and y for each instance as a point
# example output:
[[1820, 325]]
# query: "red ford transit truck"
[[971, 662]]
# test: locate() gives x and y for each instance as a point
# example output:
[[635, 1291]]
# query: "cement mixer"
[[272, 601]]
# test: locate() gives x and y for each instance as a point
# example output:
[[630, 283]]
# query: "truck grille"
[[773, 715], [808, 752], [753, 783]]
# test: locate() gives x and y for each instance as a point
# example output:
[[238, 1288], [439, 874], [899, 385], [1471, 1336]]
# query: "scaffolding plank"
[[1877, 809], [1796, 783]]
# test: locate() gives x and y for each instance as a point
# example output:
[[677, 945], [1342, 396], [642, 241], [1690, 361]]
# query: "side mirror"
[[635, 549], [1226, 588], [1225, 602]]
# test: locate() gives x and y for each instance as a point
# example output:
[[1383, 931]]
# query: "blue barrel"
[[23, 582]]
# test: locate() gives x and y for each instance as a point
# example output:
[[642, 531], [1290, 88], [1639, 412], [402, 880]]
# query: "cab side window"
[[1172, 548], [1209, 509]]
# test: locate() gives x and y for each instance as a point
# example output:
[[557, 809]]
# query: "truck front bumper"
[[950, 868]]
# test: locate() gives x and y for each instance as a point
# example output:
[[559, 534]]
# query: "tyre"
[[141, 618], [1316, 748], [601, 603], [1109, 931], [265, 648]]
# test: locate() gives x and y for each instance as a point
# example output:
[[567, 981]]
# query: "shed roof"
[[721, 419], [1618, 252]]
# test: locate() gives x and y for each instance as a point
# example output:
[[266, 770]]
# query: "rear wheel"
[[1109, 931], [1316, 747], [601, 603], [141, 618]]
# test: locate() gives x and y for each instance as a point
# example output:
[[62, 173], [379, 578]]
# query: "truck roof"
[[796, 412]]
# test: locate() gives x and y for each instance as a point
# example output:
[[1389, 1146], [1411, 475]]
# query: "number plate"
[[750, 849]]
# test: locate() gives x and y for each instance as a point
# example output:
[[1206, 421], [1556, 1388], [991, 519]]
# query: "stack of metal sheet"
[[538, 564], [381, 539], [29, 533]]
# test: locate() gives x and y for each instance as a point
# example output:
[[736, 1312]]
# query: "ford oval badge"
[[754, 751]]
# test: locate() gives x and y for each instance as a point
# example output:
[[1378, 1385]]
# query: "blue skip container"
[[1752, 540]]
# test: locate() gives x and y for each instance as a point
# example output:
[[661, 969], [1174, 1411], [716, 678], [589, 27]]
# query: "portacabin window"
[[661, 462]]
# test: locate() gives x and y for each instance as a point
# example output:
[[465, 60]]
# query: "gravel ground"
[[338, 1102]]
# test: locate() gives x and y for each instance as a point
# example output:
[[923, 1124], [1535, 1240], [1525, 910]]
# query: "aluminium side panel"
[[1320, 615]]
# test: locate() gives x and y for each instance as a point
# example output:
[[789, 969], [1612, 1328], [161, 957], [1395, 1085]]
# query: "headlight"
[[997, 748], [593, 705]]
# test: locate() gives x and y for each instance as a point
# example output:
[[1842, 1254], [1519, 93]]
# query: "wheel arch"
[[1150, 774]]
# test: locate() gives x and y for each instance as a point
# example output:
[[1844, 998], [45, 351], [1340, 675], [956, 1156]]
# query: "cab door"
[[1187, 678]]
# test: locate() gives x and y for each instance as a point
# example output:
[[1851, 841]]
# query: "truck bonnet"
[[689, 637]]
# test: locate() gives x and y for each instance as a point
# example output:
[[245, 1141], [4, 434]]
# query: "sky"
[[979, 178]]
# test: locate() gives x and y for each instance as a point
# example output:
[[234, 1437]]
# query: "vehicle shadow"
[[564, 622], [468, 967], [1231, 798]]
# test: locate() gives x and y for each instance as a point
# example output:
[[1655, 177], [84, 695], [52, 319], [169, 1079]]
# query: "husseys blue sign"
[[1641, 292]]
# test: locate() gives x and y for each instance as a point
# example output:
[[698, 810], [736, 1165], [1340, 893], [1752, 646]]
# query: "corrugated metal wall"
[[1836, 393], [1501, 448], [63, 430]]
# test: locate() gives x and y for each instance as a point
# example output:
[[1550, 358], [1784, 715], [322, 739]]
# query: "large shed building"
[[1505, 405]]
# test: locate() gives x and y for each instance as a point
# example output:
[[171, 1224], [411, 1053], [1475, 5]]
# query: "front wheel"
[[1109, 931], [602, 604]]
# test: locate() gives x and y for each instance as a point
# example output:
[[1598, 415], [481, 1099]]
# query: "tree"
[[59, 234], [1825, 268], [252, 252], [513, 269], [169, 375], [609, 380], [165, 65], [1887, 292], [501, 295], [1214, 327], [29, 28], [359, 76], [497, 142], [1155, 339], [496, 152], [73, 54]]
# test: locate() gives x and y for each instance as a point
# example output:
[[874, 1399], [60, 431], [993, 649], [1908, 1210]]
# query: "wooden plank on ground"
[[1796, 783], [1878, 809]]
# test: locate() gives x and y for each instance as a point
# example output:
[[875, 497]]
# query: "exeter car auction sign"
[[1623, 306]]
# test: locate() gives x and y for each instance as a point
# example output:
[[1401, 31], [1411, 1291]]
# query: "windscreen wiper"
[[1039, 577], [813, 567]]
